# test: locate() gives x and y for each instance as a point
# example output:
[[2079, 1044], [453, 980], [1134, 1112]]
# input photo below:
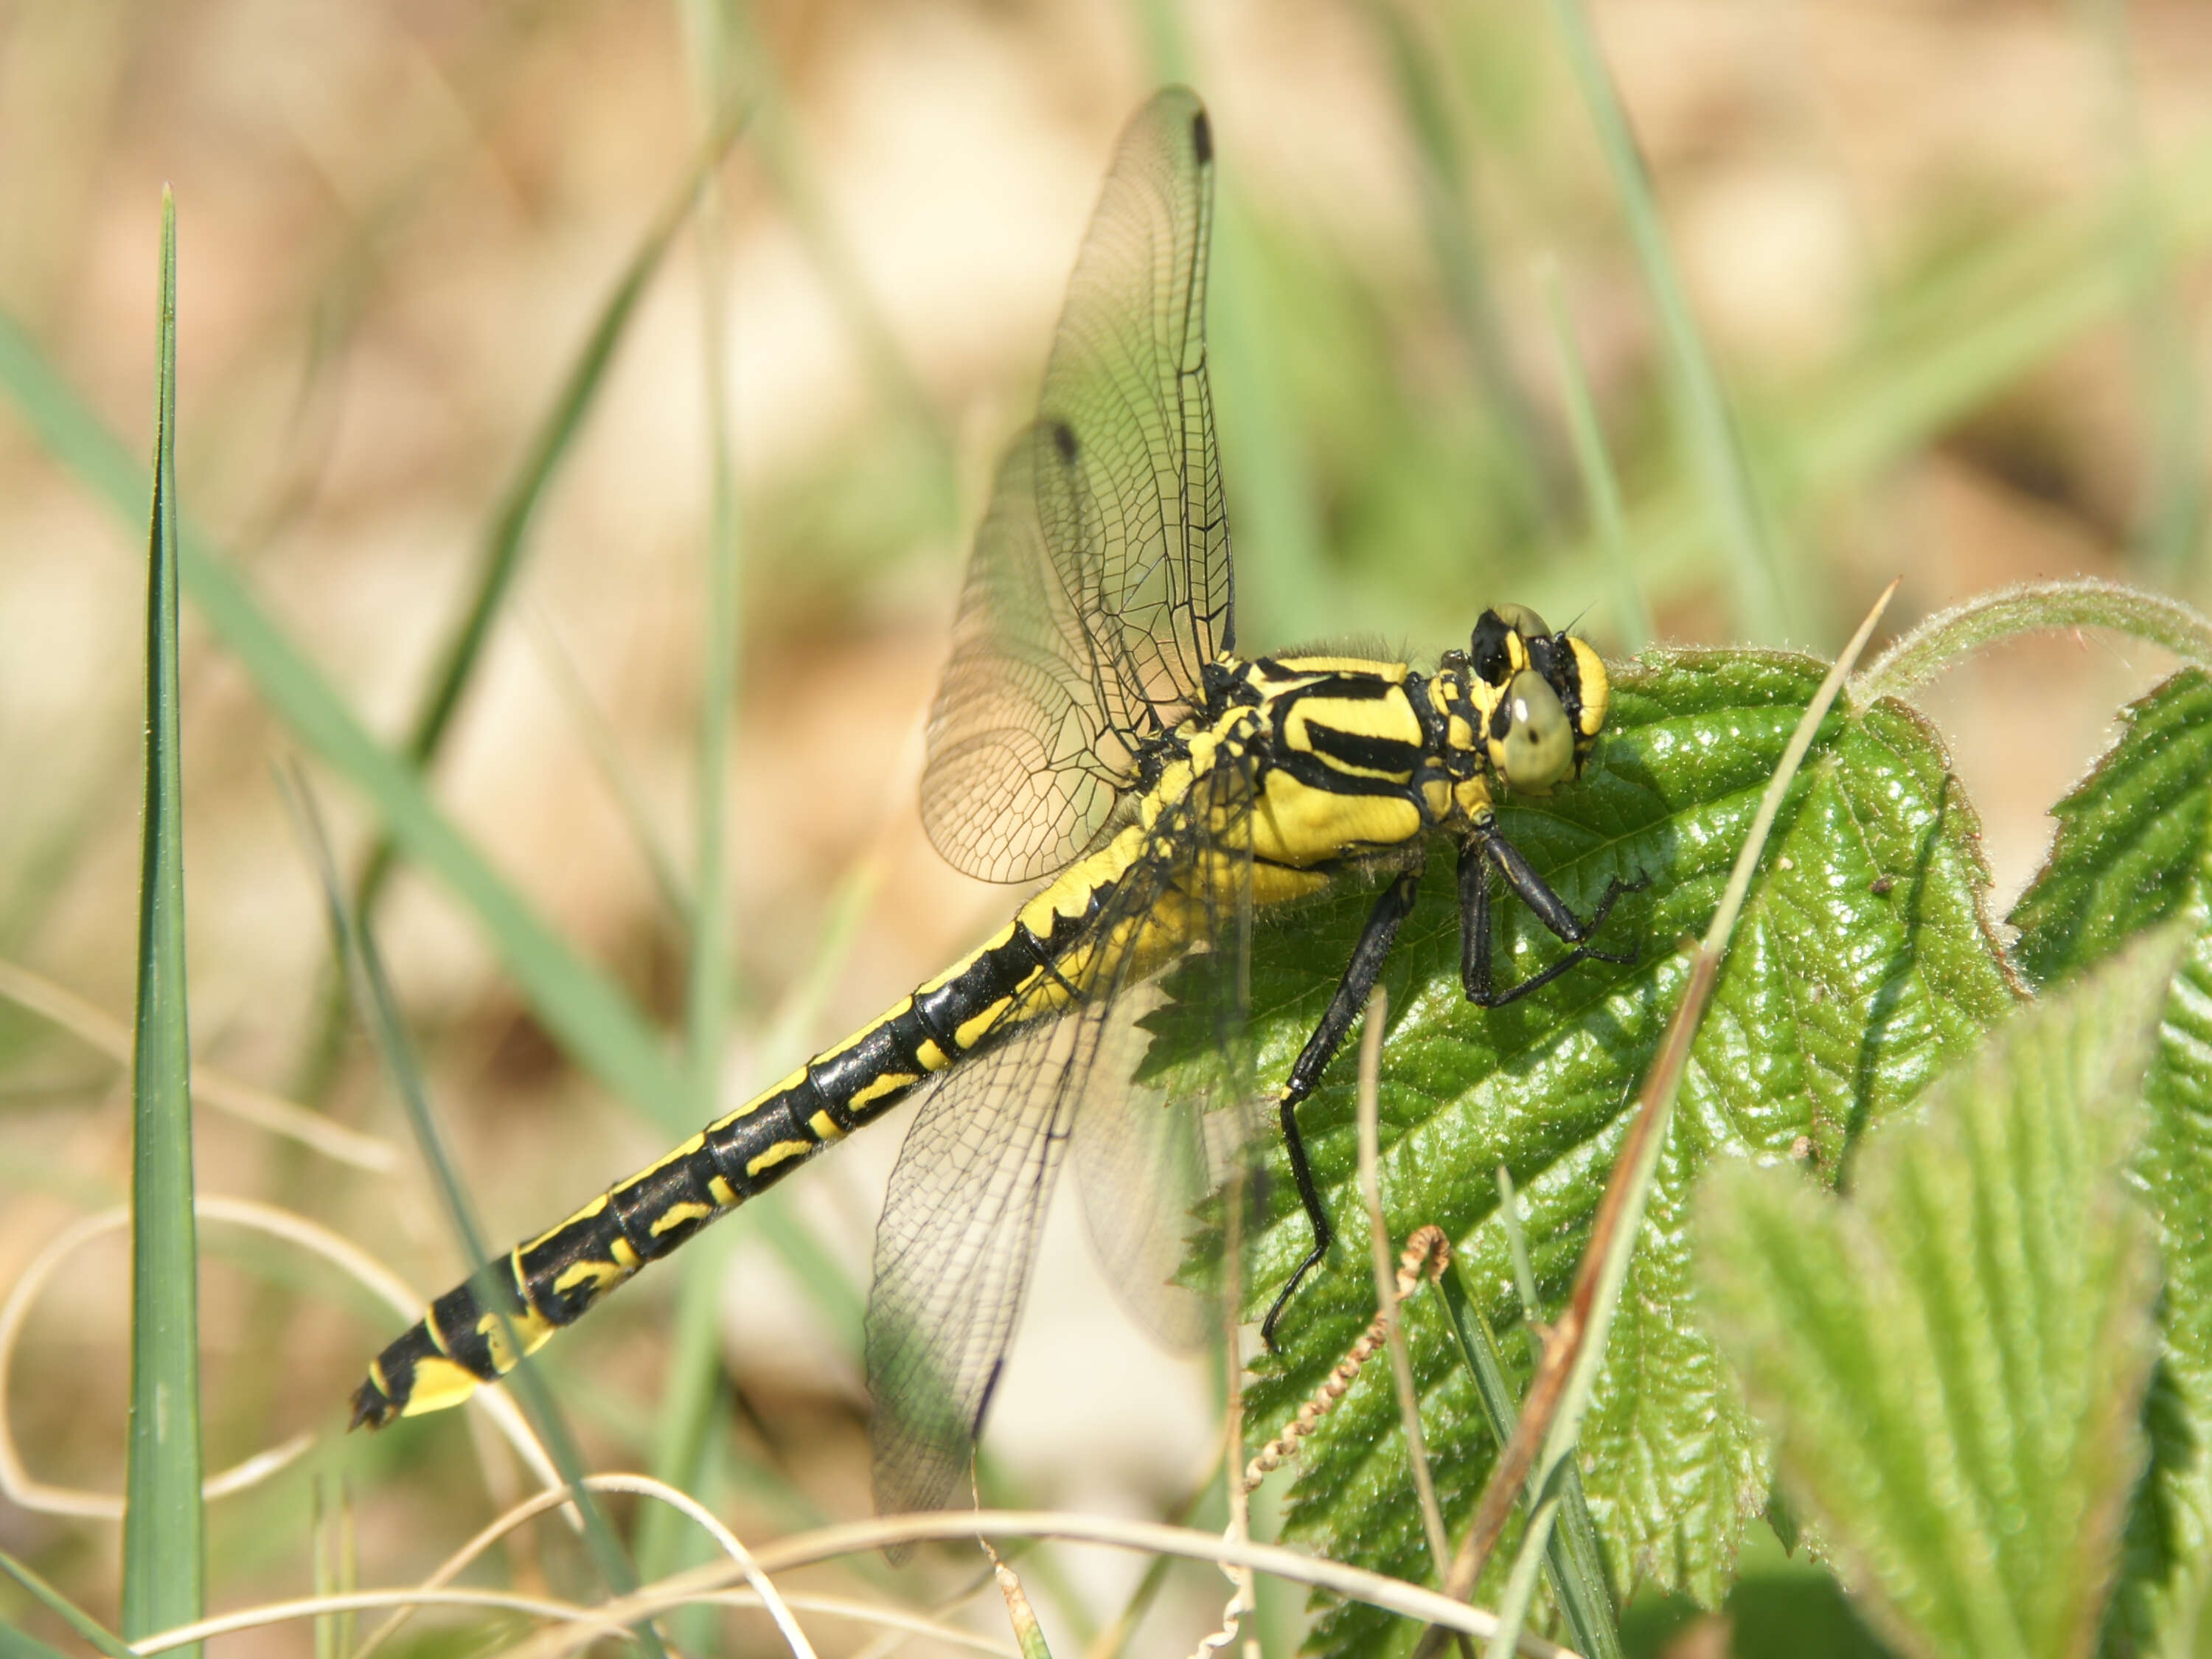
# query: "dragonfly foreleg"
[[1485, 847], [1342, 1014]]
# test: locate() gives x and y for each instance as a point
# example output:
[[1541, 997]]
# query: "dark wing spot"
[[983, 1399], [1063, 440], [1201, 137]]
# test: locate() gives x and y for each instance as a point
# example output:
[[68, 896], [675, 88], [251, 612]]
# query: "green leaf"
[[1861, 966], [1953, 1361], [164, 1545], [2131, 850], [2134, 850]]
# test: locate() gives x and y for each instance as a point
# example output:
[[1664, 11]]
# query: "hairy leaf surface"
[[1862, 967], [1952, 1358], [2134, 850]]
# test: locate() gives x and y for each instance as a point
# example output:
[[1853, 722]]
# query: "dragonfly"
[[1097, 731]]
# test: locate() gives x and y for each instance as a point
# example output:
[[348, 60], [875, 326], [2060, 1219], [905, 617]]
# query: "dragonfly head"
[[1543, 696]]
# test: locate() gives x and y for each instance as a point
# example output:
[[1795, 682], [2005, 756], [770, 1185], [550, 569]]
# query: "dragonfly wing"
[[953, 1253], [967, 1199], [1024, 768], [1100, 585], [1148, 1157]]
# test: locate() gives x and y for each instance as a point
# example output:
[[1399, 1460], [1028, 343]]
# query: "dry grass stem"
[[1567, 1363], [21, 1487], [827, 1543], [1427, 1252], [98, 1030], [557, 1498], [1386, 1302]]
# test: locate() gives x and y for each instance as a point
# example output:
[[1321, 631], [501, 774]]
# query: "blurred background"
[[1945, 256]]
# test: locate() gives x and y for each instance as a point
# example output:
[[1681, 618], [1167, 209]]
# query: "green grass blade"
[[1570, 1554], [603, 746], [164, 1540], [507, 542], [21, 1644], [2171, 521], [380, 1010], [1271, 483], [791, 173], [691, 1391], [1939, 354], [591, 1017], [1271, 479], [1455, 242], [1763, 604], [64, 1609], [1631, 618]]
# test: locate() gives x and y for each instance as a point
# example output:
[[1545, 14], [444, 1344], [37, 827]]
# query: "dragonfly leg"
[[1343, 1013], [1485, 847]]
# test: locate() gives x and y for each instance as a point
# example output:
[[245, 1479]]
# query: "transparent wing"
[[1100, 585], [968, 1197], [953, 1252], [1147, 1156]]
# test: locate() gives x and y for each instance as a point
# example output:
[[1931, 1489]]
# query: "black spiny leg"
[[1485, 847], [1344, 1010]]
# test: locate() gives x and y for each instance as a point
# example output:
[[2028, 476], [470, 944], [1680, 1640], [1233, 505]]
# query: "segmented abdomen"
[[548, 1282]]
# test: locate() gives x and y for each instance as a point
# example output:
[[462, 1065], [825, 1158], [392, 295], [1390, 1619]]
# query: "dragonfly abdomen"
[[549, 1281]]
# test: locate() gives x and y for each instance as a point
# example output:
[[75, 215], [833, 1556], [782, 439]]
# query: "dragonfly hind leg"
[[1336, 1023], [1485, 847]]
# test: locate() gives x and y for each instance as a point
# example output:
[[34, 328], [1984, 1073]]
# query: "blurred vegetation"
[[1939, 271]]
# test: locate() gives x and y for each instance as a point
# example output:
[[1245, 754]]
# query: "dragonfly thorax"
[[1350, 755]]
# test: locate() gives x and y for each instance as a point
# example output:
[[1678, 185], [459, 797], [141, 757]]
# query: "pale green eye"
[[1521, 620], [1538, 749]]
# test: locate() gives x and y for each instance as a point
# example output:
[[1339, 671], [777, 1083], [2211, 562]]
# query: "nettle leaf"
[[1953, 1359], [2134, 850], [1862, 965]]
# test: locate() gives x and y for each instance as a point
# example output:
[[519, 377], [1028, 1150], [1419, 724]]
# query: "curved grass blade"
[[164, 1541], [591, 1018], [1576, 1568], [1763, 606], [1939, 352], [1464, 264], [1600, 487], [2036, 607], [507, 539], [693, 1391], [21, 1644], [102, 1639]]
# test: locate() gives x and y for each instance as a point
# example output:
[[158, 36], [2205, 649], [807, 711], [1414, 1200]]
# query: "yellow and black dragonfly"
[[1096, 726]]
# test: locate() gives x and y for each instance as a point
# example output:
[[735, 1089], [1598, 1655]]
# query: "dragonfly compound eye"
[[1521, 620], [1537, 751], [1593, 686]]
